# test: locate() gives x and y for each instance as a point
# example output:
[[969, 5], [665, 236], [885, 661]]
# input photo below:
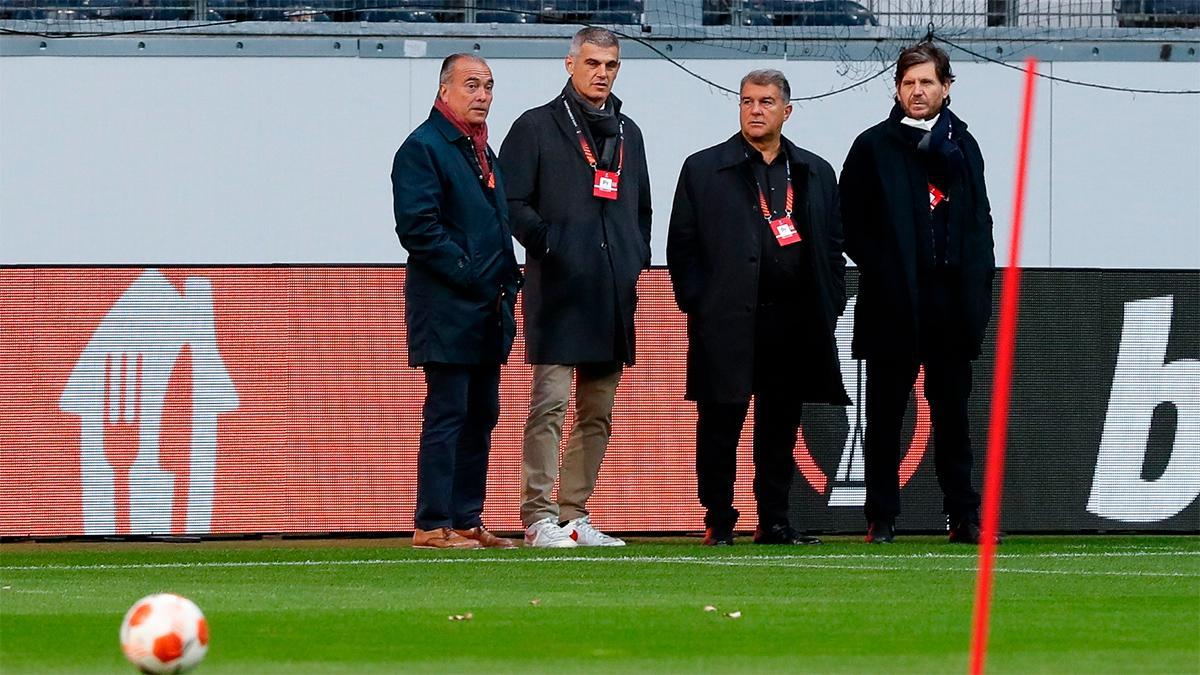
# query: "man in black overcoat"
[[459, 291], [919, 227], [579, 194], [755, 256]]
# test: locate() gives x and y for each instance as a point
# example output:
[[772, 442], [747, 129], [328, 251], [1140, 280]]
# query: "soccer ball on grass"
[[164, 633]]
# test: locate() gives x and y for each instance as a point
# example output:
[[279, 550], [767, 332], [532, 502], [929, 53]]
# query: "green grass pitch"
[[1096, 604]]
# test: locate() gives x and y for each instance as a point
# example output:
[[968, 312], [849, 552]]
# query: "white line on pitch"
[[744, 560]]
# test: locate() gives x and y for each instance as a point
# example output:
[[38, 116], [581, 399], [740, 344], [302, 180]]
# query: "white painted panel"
[[207, 160], [259, 160], [1127, 168]]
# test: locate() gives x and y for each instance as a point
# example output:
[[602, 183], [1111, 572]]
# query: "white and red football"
[[164, 633]]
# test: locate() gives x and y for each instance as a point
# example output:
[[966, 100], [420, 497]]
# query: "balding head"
[[452, 61], [465, 86]]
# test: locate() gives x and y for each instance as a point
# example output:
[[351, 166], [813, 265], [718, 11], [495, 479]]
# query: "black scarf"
[[601, 122], [600, 125]]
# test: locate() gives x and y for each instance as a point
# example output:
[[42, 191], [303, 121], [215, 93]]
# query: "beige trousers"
[[595, 389]]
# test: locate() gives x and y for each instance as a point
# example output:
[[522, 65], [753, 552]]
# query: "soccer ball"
[[164, 633]]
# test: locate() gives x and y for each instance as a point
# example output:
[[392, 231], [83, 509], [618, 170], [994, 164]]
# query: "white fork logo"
[[118, 386]]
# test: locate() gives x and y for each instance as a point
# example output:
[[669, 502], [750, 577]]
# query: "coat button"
[[461, 263], [603, 244]]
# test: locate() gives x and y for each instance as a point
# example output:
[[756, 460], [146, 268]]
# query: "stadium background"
[[228, 219]]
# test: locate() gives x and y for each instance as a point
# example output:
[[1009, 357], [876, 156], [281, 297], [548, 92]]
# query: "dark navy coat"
[[462, 277]]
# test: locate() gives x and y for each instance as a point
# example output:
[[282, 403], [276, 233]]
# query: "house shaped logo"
[[120, 382]]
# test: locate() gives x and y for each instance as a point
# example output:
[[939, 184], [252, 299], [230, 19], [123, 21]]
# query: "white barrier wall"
[[259, 160]]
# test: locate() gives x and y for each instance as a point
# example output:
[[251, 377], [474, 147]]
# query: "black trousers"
[[947, 387], [718, 429], [462, 406]]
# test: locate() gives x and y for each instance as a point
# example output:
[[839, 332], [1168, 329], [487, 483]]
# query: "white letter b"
[[1143, 380]]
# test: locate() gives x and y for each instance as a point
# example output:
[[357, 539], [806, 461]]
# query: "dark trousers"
[[718, 428], [462, 405], [947, 387]]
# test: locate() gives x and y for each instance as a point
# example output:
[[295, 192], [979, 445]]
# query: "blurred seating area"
[[408, 11], [787, 13], [843, 13]]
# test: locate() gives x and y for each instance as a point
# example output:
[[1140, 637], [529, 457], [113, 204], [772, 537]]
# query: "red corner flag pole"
[[1001, 384]]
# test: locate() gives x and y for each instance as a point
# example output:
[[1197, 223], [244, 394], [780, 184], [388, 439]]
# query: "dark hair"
[[767, 78], [451, 61], [925, 52]]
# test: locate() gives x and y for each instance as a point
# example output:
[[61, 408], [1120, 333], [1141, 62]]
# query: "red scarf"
[[478, 134]]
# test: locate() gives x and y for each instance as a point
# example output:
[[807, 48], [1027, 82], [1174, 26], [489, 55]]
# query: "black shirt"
[[781, 268]]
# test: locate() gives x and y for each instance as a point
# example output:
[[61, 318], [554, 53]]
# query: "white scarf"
[[924, 125]]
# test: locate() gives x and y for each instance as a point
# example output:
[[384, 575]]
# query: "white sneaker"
[[546, 533], [584, 534]]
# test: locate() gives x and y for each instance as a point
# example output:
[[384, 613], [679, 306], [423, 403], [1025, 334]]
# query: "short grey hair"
[[767, 77], [601, 37], [452, 61]]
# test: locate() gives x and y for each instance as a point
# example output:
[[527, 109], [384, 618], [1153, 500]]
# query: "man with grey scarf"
[[918, 224], [579, 202]]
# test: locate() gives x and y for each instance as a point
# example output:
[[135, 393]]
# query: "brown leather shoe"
[[486, 539], [442, 537]]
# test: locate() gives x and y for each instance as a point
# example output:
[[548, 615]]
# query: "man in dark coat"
[[919, 227], [579, 194], [755, 255], [459, 291]]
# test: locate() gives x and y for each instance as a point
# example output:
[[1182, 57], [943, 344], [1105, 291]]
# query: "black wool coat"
[[885, 202], [583, 253], [713, 249], [462, 277]]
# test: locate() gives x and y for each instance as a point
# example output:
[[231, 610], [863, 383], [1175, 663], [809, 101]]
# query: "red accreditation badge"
[[605, 185], [785, 231], [936, 197]]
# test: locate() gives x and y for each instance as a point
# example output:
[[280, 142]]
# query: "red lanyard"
[[587, 149], [787, 202]]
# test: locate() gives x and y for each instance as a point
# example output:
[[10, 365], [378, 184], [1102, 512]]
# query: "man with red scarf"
[[459, 291]]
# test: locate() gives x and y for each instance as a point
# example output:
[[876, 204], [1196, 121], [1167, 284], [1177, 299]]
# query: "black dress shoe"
[[718, 537], [881, 532], [968, 532], [782, 534]]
